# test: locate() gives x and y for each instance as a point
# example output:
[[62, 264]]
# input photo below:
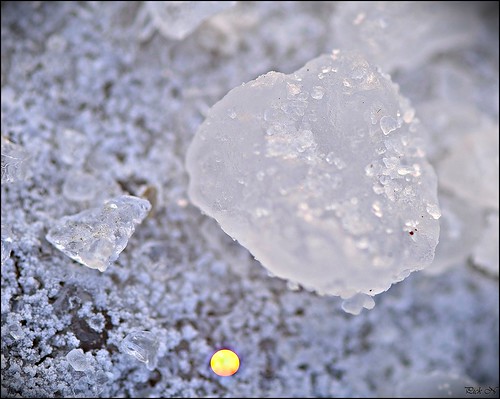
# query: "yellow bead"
[[225, 362]]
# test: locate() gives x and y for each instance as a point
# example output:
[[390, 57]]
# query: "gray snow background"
[[95, 95]]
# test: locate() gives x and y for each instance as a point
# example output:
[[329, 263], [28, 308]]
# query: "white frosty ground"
[[320, 175], [82, 92]]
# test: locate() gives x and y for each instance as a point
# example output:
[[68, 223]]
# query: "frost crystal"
[[321, 189], [14, 165], [143, 345], [78, 360], [177, 19], [95, 237]]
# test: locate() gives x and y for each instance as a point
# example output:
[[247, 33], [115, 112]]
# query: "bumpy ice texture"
[[97, 236], [319, 174]]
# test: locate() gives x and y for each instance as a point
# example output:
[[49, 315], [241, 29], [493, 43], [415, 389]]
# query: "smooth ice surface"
[[96, 237], [460, 228], [327, 190], [78, 360], [177, 19], [471, 168], [143, 345], [14, 162], [485, 254], [389, 33]]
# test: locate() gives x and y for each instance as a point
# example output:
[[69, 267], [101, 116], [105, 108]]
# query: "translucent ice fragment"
[[96, 237], [100, 381], [403, 34], [177, 19], [143, 345], [74, 147], [295, 178], [356, 303], [80, 186], [14, 162], [78, 360], [485, 254], [15, 331]]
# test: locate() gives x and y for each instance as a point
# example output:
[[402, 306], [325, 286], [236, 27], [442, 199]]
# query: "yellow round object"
[[225, 362]]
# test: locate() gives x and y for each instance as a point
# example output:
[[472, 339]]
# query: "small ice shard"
[[355, 304], [14, 162], [80, 186], [396, 34], [313, 187], [471, 169], [6, 243], [96, 237], [74, 147], [78, 360], [177, 19], [99, 382], [143, 345], [16, 331], [485, 255]]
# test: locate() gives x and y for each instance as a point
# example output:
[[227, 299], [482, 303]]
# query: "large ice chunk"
[[470, 170], [486, 253], [95, 237], [403, 33], [319, 174], [461, 226]]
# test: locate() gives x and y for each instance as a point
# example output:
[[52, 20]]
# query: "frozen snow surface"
[[99, 102]]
